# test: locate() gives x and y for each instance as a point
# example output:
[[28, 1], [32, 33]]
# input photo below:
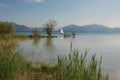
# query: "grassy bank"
[[14, 66], [22, 37]]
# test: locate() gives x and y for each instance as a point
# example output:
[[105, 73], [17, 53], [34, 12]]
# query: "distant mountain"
[[71, 27], [90, 28], [41, 29], [116, 29], [24, 28], [21, 28]]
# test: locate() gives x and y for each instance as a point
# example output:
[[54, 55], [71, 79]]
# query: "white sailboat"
[[61, 31]]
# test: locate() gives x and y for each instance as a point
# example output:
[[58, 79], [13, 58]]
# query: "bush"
[[6, 28], [36, 33]]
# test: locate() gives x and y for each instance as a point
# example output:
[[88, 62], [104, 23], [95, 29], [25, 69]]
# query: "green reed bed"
[[12, 64], [76, 67], [71, 67]]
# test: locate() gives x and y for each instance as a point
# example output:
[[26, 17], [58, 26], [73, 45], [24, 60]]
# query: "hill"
[[21, 28], [90, 28]]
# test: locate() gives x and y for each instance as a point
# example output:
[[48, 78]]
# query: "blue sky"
[[35, 13]]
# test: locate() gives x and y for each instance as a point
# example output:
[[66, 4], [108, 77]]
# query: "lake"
[[106, 45]]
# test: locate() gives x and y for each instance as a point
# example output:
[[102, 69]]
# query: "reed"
[[77, 67], [12, 64], [71, 67]]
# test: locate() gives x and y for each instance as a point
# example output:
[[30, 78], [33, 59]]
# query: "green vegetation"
[[66, 35], [69, 35], [12, 64], [36, 33], [49, 26], [73, 67], [77, 68], [6, 28], [14, 37]]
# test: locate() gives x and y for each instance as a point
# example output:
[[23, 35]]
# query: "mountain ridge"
[[20, 28], [72, 28], [90, 28]]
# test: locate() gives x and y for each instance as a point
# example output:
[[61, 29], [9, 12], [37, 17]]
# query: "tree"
[[49, 26], [36, 32], [6, 28]]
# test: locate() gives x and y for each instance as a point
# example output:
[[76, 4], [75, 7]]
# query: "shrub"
[[6, 28], [36, 33]]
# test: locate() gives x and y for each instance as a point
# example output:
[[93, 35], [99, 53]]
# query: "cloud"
[[3, 5], [37, 1]]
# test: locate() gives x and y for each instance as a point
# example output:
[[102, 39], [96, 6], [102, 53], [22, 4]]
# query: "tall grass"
[[77, 67], [13, 37], [12, 64]]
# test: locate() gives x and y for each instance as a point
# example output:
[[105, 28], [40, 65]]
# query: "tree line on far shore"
[[8, 28]]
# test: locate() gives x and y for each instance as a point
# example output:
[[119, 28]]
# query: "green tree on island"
[[49, 26]]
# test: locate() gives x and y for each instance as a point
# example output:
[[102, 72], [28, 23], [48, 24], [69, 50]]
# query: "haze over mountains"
[[92, 28], [21, 28]]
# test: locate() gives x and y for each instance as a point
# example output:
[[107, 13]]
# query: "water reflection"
[[36, 41], [49, 45]]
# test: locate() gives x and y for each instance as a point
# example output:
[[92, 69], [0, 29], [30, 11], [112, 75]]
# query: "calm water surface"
[[46, 50]]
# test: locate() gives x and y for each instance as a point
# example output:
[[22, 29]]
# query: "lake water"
[[46, 50]]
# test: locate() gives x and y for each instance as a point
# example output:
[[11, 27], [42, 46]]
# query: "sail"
[[61, 31]]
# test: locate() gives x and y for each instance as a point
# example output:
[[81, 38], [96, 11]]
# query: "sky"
[[35, 13]]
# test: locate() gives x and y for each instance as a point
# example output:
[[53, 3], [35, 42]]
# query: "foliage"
[[77, 68], [36, 32], [6, 28], [66, 35], [49, 26], [13, 37], [12, 64]]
